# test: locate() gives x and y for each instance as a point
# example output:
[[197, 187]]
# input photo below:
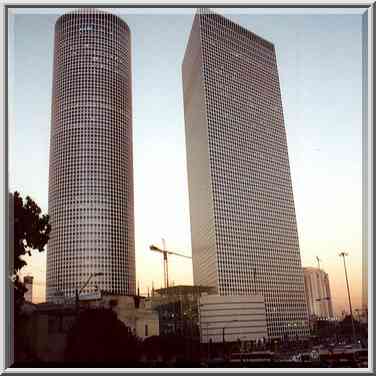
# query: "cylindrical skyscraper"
[[91, 165]]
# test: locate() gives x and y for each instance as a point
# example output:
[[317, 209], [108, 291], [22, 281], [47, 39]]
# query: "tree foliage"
[[345, 327], [31, 229], [98, 336], [166, 346]]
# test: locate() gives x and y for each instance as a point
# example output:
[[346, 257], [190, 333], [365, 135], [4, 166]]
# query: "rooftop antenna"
[[318, 261]]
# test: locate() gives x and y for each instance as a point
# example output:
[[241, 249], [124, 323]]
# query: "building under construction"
[[178, 309]]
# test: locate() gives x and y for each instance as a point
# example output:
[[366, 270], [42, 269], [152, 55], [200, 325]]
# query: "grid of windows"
[[244, 232], [91, 168], [317, 292]]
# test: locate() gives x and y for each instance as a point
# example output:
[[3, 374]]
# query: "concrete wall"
[[147, 326]]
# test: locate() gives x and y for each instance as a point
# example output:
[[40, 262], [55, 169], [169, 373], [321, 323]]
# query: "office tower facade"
[[91, 167], [317, 292], [243, 223]]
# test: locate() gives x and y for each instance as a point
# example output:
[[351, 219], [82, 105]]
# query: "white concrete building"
[[232, 318], [317, 289], [90, 201]]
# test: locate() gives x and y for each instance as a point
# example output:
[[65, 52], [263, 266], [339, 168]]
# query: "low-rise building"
[[47, 325], [177, 307], [232, 318], [135, 312]]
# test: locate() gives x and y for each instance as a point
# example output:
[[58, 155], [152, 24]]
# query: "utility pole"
[[343, 255]]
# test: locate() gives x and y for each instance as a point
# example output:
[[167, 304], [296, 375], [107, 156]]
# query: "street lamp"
[[343, 255], [98, 274]]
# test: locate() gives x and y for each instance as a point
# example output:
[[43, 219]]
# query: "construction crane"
[[166, 252]]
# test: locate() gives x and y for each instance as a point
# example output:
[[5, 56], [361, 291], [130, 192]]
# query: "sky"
[[319, 57]]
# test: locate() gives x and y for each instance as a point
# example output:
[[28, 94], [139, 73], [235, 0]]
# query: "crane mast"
[[166, 252]]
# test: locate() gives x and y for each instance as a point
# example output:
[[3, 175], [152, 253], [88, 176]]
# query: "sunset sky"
[[319, 56]]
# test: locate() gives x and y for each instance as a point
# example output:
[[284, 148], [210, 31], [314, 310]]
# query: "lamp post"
[[343, 255], [84, 285]]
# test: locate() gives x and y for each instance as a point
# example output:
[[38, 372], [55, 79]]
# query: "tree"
[[324, 328], [345, 326], [98, 336], [165, 346], [31, 230]]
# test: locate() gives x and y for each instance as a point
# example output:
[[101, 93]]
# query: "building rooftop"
[[184, 290]]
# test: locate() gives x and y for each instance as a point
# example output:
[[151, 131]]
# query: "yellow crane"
[[166, 252]]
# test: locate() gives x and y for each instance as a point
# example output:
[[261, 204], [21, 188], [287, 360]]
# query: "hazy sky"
[[320, 67]]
